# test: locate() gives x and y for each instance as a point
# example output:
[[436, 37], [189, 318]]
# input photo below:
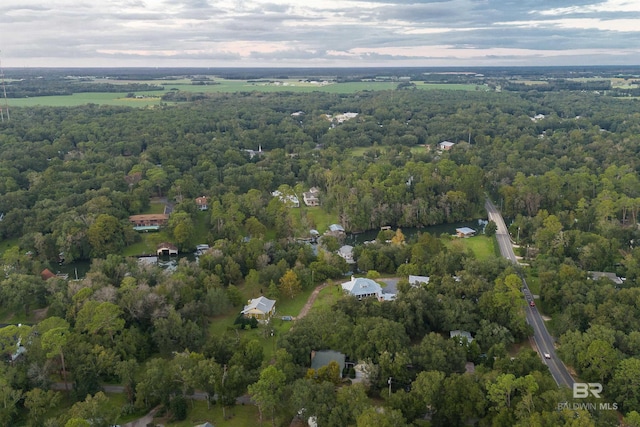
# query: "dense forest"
[[562, 165]]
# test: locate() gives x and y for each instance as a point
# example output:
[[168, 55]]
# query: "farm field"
[[222, 86], [102, 98]]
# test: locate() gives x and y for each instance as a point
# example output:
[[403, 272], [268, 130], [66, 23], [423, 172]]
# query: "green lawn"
[[327, 298], [7, 243], [319, 217], [155, 208], [284, 306], [483, 247], [152, 98], [243, 415], [148, 245]]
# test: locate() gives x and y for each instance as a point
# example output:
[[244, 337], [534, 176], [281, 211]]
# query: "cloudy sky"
[[318, 33]]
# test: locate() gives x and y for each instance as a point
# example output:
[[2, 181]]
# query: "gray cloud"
[[266, 33]]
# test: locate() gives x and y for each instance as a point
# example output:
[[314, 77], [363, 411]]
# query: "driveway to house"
[[310, 301], [392, 285], [144, 421]]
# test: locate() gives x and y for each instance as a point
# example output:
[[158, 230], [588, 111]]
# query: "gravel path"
[[310, 301]]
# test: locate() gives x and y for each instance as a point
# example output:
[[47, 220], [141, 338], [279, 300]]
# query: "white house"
[[310, 198], [346, 252], [446, 145], [289, 200], [361, 287], [417, 280], [461, 336]]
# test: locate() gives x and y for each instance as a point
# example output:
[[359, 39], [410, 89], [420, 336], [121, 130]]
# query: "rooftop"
[[262, 304]]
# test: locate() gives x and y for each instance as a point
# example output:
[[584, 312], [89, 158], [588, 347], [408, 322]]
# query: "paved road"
[[544, 341]]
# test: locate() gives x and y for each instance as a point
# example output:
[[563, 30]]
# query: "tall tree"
[[267, 392], [290, 284]]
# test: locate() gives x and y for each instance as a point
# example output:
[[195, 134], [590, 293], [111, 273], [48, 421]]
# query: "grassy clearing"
[[152, 98], [445, 86], [292, 306], [242, 416], [148, 245], [103, 98], [8, 243], [327, 298], [483, 247], [155, 208], [284, 306], [320, 218]]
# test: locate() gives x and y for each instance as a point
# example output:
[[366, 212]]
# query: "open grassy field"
[[319, 217], [222, 85], [445, 86], [483, 247], [242, 416], [103, 98]]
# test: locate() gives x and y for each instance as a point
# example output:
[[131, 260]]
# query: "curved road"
[[544, 341]]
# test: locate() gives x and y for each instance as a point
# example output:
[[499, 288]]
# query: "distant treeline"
[[174, 95], [44, 87], [560, 84]]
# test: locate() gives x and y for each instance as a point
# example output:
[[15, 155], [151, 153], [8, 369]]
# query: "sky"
[[318, 33]]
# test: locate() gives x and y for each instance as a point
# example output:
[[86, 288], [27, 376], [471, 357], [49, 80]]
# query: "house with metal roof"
[[260, 308], [418, 280], [465, 232], [361, 287]]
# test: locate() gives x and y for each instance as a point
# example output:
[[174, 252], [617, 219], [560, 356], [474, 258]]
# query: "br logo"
[[582, 390]]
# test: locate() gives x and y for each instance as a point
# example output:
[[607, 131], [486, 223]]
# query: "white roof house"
[[361, 287], [465, 232], [289, 200], [346, 252], [261, 308], [311, 198], [336, 228], [595, 275], [416, 280], [446, 145], [460, 335]]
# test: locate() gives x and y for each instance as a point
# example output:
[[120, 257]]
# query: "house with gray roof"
[[260, 308], [418, 280], [461, 336], [595, 275], [346, 252], [361, 287], [465, 232]]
